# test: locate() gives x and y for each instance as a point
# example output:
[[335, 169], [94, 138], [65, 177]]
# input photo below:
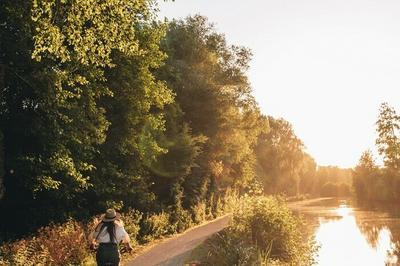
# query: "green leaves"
[[212, 89], [370, 181], [85, 31], [388, 141], [280, 155]]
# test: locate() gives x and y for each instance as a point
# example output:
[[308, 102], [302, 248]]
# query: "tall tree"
[[136, 117], [280, 157], [365, 177], [388, 141], [55, 55], [307, 180], [212, 89]]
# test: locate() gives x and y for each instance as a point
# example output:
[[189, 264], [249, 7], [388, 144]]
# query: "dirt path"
[[175, 250]]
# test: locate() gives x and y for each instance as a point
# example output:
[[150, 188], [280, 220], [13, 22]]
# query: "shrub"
[[155, 226], [230, 200], [180, 219], [229, 248], [64, 244], [226, 202], [199, 212], [263, 230], [132, 219]]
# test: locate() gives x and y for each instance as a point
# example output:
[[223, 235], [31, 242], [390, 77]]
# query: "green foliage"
[[86, 31], [263, 232], [213, 92], [266, 223], [180, 218], [132, 219], [228, 248], [199, 212], [121, 110], [388, 141], [371, 182], [283, 166], [135, 114], [79, 77], [155, 226], [280, 158]]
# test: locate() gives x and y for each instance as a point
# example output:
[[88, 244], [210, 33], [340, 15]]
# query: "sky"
[[323, 65]]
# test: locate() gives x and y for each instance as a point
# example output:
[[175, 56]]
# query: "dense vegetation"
[[263, 232], [65, 244], [375, 183], [102, 105]]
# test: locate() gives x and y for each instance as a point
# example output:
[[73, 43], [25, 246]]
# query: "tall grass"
[[263, 232], [53, 245]]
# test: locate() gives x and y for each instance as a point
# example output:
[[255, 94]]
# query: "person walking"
[[107, 236]]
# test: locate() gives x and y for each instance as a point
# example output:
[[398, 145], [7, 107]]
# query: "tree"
[[55, 57], [213, 92], [307, 182], [365, 176], [280, 158], [135, 112], [388, 141]]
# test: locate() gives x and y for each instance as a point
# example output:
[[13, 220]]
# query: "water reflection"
[[346, 240]]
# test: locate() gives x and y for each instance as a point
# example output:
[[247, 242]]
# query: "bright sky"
[[323, 65]]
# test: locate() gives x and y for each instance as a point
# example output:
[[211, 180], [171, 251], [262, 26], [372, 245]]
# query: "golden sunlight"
[[342, 242]]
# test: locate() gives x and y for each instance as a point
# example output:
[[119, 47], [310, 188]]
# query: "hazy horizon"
[[325, 66]]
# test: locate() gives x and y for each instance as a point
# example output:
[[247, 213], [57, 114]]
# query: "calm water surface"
[[351, 235]]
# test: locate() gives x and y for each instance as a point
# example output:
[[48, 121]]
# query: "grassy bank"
[[263, 232]]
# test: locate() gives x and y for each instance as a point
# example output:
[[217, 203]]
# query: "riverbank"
[[264, 230], [188, 247]]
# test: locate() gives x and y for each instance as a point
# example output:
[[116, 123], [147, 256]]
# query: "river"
[[348, 234]]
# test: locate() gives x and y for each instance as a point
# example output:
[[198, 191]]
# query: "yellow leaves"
[[49, 40], [46, 183], [86, 30], [81, 80], [63, 162]]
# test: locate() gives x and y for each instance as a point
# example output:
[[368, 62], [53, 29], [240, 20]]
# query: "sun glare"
[[342, 242]]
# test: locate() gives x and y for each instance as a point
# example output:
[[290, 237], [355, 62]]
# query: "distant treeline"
[[102, 105], [381, 183]]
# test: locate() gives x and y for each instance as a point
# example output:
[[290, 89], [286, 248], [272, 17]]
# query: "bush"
[[132, 219], [263, 230], [199, 212], [229, 248], [155, 226], [64, 244], [226, 202], [181, 220]]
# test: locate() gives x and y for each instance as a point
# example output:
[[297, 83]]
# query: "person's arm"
[[126, 240], [93, 234], [91, 237]]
